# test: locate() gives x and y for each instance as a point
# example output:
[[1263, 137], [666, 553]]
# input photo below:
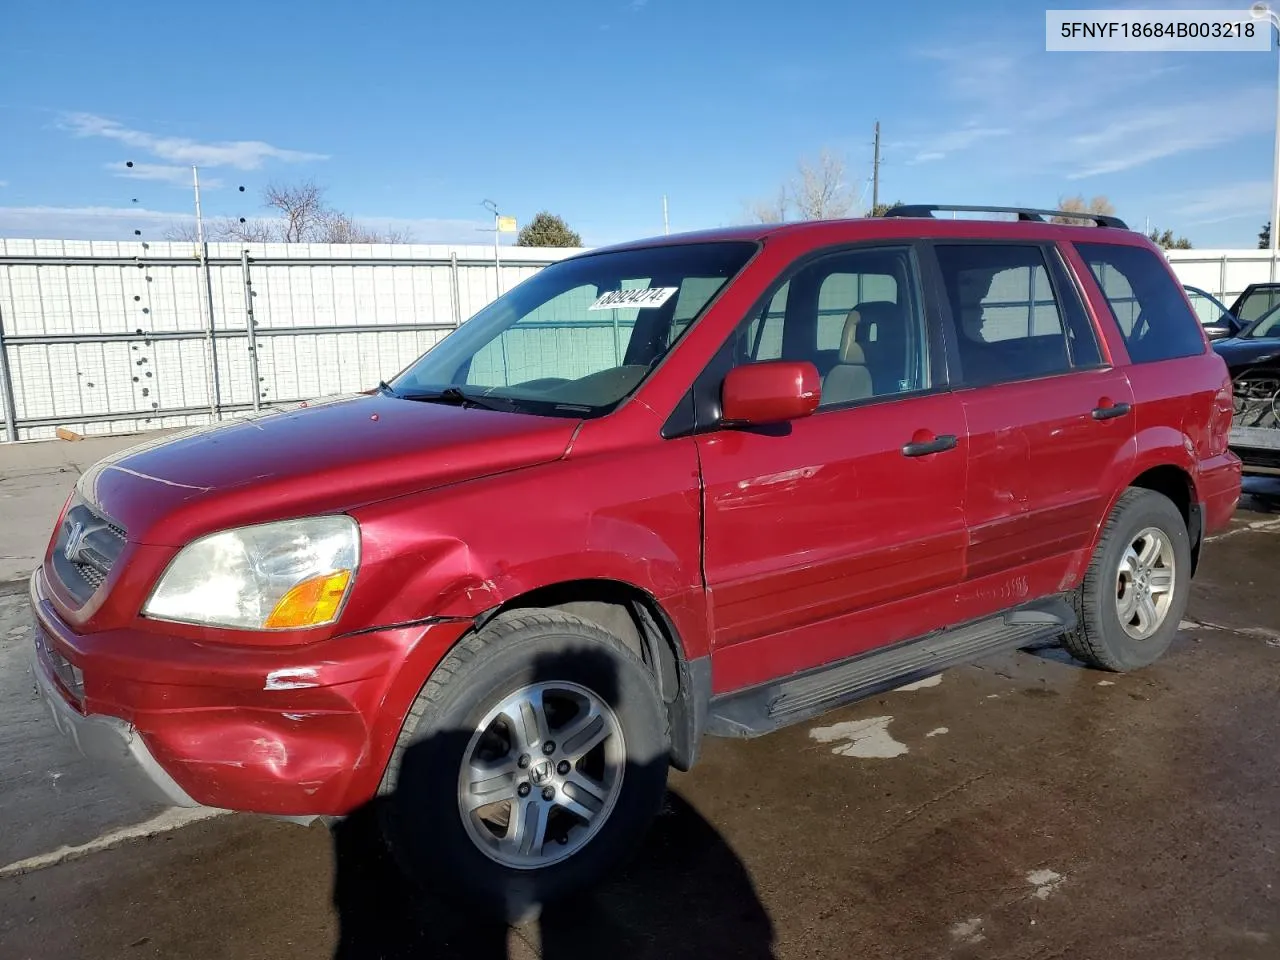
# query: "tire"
[[1103, 636], [492, 864]]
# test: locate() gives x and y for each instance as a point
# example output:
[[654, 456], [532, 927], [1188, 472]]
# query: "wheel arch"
[[637, 618], [1176, 484]]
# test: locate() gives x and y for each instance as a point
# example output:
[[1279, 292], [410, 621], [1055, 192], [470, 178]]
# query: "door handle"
[[1111, 412], [922, 448]]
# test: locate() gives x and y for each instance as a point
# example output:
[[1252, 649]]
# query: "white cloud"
[[241, 154], [638, 5], [119, 223], [1080, 116], [938, 146], [4, 183], [1218, 203], [86, 223], [175, 175], [1132, 138]]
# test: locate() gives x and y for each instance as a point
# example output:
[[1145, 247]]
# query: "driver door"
[[831, 535]]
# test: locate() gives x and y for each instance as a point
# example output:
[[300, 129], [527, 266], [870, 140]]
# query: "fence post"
[[9, 408], [457, 296], [249, 327], [1222, 279]]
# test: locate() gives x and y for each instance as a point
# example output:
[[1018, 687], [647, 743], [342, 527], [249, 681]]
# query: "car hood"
[[1240, 353], [327, 455]]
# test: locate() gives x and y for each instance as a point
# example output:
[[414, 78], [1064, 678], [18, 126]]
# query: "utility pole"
[[875, 172], [666, 222]]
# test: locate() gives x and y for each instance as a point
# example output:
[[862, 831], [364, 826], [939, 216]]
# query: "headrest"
[[858, 324], [879, 311], [851, 351]]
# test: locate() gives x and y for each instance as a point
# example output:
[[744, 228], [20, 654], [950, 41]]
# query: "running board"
[[762, 709]]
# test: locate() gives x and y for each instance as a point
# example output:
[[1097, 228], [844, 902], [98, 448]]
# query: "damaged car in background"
[[1253, 358]]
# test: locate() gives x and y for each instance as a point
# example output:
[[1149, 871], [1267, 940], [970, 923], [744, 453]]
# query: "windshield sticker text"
[[645, 297]]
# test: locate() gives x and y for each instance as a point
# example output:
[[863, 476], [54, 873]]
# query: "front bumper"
[[108, 740], [295, 731], [1258, 449]]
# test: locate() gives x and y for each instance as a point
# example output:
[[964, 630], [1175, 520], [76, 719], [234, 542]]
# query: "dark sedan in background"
[[1253, 357]]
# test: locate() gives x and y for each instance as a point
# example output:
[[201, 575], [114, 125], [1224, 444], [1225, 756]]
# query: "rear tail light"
[[1220, 419]]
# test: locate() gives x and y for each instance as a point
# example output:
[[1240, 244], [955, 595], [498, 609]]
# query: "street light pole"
[[1263, 11], [1275, 173], [497, 235]]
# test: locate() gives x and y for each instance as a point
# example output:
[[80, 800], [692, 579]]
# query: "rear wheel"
[[1135, 590], [532, 761]]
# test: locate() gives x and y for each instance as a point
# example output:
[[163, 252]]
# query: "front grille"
[[87, 547]]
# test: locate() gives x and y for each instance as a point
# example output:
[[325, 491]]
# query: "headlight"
[[276, 576]]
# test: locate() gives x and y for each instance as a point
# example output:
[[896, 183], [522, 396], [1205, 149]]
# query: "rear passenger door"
[[1047, 418]]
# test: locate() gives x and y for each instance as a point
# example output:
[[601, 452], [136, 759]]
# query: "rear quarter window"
[[1145, 300]]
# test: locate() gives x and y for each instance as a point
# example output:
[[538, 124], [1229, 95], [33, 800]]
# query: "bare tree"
[[240, 230], [1099, 205], [769, 211], [303, 217], [820, 190], [301, 206], [338, 227]]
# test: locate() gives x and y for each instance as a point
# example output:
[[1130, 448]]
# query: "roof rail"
[[1024, 213]]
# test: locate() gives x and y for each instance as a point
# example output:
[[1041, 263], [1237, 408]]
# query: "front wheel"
[[1136, 588], [531, 763]]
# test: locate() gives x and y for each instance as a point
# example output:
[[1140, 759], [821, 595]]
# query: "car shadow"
[[683, 893]]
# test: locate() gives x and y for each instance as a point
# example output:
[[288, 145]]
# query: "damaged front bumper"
[[107, 740], [295, 732]]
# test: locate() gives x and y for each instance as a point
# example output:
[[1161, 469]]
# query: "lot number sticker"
[[645, 297]]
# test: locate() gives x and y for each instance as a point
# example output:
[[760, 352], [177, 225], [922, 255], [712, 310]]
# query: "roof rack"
[[1024, 213]]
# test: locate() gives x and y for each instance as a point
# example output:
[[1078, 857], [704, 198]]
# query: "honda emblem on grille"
[[75, 542]]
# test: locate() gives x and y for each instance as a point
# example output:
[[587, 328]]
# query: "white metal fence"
[[1223, 273], [105, 337]]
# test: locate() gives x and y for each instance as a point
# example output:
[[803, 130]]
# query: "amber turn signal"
[[310, 603]]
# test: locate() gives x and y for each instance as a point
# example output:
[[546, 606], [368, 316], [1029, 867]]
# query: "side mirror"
[[771, 392]]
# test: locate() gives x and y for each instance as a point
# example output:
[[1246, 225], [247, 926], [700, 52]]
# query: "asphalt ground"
[[1023, 807]]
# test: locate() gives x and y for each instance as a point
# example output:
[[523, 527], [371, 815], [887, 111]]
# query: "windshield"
[[1256, 302], [581, 334], [1268, 325]]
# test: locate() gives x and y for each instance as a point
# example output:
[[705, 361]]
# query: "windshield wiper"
[[454, 396], [385, 388]]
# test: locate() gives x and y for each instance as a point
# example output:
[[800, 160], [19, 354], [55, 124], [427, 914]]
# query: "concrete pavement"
[[50, 796], [35, 479]]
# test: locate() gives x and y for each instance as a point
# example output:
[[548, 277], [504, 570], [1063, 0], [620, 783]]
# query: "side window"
[[856, 316], [1008, 321], [762, 336], [1144, 298]]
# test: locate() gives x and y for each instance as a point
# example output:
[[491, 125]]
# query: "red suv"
[[707, 484]]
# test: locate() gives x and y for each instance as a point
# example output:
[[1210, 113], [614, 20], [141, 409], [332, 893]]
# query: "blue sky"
[[411, 113]]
